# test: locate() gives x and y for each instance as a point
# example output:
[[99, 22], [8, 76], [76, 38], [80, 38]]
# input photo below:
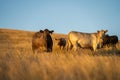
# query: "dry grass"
[[17, 62]]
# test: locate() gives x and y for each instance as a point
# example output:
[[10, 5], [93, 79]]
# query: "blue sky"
[[61, 16]]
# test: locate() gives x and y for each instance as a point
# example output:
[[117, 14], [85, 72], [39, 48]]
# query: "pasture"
[[17, 61]]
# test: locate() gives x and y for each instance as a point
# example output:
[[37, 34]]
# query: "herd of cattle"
[[42, 40]]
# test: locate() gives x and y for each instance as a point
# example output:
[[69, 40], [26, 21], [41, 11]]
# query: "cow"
[[85, 40], [61, 42], [110, 40], [42, 41]]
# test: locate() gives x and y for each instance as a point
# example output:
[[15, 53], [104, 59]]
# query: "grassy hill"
[[17, 61]]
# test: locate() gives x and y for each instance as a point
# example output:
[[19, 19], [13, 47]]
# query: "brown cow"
[[61, 42], [85, 40], [42, 41]]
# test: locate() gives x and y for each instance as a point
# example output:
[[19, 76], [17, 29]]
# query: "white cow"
[[86, 40]]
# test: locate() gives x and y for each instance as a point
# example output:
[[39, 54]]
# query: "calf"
[[61, 42]]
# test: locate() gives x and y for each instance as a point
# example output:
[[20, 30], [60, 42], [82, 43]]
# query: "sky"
[[62, 16]]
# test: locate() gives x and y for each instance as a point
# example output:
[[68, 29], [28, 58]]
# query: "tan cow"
[[85, 40], [42, 41]]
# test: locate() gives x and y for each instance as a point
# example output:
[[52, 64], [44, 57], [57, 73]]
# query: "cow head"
[[58, 41], [46, 31], [100, 37], [102, 32]]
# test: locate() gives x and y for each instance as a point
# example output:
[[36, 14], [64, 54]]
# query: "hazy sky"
[[61, 16]]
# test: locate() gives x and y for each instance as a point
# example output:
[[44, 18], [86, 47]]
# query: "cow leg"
[[51, 49], [115, 46], [45, 49], [69, 45], [75, 47], [63, 47], [94, 47], [60, 47], [35, 51], [99, 46]]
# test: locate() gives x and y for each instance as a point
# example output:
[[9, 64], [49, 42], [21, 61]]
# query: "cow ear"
[[106, 31], [41, 31], [51, 31], [98, 31]]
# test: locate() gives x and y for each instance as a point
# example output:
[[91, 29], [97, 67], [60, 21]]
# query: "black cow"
[[110, 40]]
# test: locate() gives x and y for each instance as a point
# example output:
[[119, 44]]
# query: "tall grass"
[[49, 66]]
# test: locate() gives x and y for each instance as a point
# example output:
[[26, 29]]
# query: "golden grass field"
[[17, 61]]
